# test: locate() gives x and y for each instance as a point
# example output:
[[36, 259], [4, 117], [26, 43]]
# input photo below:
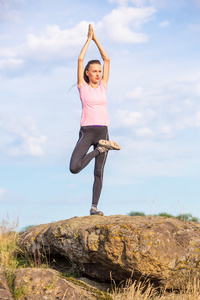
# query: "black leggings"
[[88, 136]]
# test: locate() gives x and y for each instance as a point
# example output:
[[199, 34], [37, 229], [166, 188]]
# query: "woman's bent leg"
[[80, 159]]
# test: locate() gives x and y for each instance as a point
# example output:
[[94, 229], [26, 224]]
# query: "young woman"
[[94, 120]]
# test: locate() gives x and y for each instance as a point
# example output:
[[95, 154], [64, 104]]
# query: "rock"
[[5, 295], [4, 289], [165, 250], [42, 284], [102, 286]]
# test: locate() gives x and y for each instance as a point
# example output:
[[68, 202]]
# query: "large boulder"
[[165, 250], [41, 284]]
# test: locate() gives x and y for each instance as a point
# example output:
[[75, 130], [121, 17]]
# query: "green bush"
[[182, 217]]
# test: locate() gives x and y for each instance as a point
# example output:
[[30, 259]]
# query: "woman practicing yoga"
[[92, 86]]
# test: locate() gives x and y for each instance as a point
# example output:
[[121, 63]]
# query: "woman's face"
[[94, 73]]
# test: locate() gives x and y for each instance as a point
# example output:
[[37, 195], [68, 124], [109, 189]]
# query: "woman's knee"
[[98, 173], [74, 169]]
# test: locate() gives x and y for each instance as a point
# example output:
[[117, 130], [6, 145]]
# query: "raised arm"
[[106, 60], [82, 55]]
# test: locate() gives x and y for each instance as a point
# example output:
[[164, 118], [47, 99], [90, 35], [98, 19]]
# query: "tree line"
[[182, 217]]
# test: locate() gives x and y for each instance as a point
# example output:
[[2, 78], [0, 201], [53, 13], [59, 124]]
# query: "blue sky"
[[153, 101]]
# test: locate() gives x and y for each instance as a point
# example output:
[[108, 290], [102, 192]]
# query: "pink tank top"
[[94, 105]]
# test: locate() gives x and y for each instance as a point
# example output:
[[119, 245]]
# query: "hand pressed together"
[[90, 32]]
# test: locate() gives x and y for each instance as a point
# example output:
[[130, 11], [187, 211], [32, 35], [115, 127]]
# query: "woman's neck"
[[94, 85]]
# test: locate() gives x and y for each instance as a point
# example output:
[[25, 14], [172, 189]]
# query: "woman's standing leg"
[[100, 161]]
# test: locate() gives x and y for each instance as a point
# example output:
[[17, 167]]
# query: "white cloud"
[[55, 42], [135, 93], [125, 2], [7, 53], [9, 59], [21, 137], [141, 3], [144, 132], [189, 102], [122, 24], [164, 24], [30, 146], [149, 156], [8, 11], [167, 130], [163, 110], [129, 118], [11, 63], [52, 45]]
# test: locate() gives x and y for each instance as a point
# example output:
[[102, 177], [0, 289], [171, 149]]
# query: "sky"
[[153, 103]]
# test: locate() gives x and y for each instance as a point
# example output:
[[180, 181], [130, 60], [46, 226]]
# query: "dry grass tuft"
[[8, 250], [146, 291], [8, 245], [135, 290]]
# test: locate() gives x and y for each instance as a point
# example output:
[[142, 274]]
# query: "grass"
[[8, 245], [145, 291], [11, 258], [8, 250]]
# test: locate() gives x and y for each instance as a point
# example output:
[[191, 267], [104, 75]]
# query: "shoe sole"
[[110, 145], [96, 214]]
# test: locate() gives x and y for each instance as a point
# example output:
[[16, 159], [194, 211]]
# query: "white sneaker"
[[95, 211], [110, 145]]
